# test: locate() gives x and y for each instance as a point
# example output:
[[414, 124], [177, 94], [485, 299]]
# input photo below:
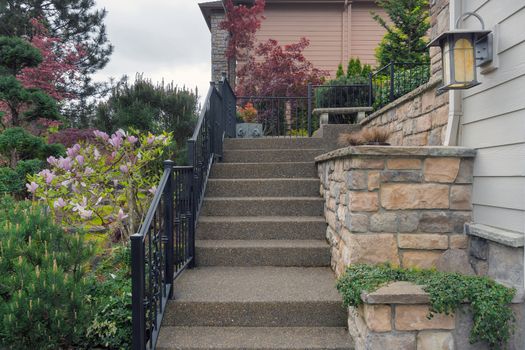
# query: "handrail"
[[165, 243]]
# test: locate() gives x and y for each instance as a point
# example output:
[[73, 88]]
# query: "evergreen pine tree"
[[340, 72], [22, 104], [404, 40]]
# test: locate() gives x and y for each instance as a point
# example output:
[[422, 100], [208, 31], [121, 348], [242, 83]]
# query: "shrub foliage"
[[488, 300]]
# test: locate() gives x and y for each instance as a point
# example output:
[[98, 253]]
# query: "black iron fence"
[[292, 116], [279, 115], [395, 80], [165, 243]]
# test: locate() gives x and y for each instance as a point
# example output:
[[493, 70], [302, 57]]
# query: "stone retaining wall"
[[403, 205], [419, 118], [395, 317]]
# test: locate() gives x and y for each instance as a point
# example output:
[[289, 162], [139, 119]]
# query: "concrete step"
[[300, 187], [254, 338], [264, 170], [262, 206], [271, 155], [274, 142], [256, 297], [261, 227], [304, 253]]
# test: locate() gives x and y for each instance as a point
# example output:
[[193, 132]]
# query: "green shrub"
[[42, 280], [110, 300], [351, 96], [488, 300], [405, 80]]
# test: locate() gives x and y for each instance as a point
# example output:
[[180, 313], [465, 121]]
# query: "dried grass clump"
[[379, 135], [350, 139], [363, 137]]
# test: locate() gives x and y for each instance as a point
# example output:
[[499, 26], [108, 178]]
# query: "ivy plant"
[[489, 301]]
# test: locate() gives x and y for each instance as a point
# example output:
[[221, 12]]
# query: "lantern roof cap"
[[478, 33]]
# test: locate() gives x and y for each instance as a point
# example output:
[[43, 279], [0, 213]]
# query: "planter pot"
[[377, 144], [248, 130]]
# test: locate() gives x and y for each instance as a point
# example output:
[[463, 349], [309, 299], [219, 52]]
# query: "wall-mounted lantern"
[[462, 51]]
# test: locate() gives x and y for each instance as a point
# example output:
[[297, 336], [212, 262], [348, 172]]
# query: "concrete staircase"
[[262, 279]]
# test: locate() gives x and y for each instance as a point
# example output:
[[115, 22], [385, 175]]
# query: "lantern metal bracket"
[[483, 44]]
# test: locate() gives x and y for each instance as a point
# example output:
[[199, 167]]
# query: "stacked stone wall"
[[403, 205]]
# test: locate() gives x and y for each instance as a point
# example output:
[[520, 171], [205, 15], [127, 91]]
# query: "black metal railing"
[[279, 115], [165, 243], [395, 80]]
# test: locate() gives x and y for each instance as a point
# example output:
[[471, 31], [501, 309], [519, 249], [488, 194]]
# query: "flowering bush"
[[248, 113], [107, 184]]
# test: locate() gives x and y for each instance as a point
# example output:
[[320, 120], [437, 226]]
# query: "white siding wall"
[[493, 119]]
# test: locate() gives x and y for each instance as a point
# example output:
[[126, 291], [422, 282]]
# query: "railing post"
[[309, 93], [138, 315], [392, 96], [370, 89], [168, 226], [194, 198]]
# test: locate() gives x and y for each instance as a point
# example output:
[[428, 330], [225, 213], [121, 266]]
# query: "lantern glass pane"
[[445, 55], [464, 62]]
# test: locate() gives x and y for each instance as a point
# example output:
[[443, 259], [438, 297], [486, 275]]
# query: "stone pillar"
[[219, 45]]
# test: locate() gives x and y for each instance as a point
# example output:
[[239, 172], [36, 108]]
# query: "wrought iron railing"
[[395, 80], [165, 243], [279, 115]]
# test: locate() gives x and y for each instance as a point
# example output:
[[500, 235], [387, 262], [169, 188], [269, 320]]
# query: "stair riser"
[[266, 207], [273, 143], [302, 257], [280, 188], [269, 156], [263, 171], [258, 314], [261, 230]]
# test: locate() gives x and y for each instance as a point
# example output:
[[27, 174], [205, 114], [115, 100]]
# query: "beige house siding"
[[493, 119], [366, 33], [335, 33]]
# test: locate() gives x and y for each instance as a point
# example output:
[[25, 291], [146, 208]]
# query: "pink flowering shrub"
[[108, 183]]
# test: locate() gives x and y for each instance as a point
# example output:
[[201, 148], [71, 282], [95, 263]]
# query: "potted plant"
[[249, 128]]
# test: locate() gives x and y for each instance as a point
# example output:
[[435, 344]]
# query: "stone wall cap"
[[395, 151], [397, 293], [498, 235]]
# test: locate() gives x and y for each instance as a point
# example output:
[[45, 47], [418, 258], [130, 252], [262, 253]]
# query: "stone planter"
[[248, 130]]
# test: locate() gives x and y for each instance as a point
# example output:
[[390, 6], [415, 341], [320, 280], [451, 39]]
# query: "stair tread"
[[271, 179], [264, 199], [224, 284], [260, 163], [261, 219], [275, 243], [260, 338]]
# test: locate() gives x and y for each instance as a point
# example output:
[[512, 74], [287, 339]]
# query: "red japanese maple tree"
[[278, 71], [60, 64], [242, 22], [268, 68]]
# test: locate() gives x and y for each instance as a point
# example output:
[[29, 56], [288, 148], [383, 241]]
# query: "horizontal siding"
[[321, 24], [495, 101], [503, 192], [476, 132], [493, 119], [366, 33], [507, 219], [500, 161]]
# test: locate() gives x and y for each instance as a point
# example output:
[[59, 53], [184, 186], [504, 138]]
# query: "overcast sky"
[[161, 38]]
